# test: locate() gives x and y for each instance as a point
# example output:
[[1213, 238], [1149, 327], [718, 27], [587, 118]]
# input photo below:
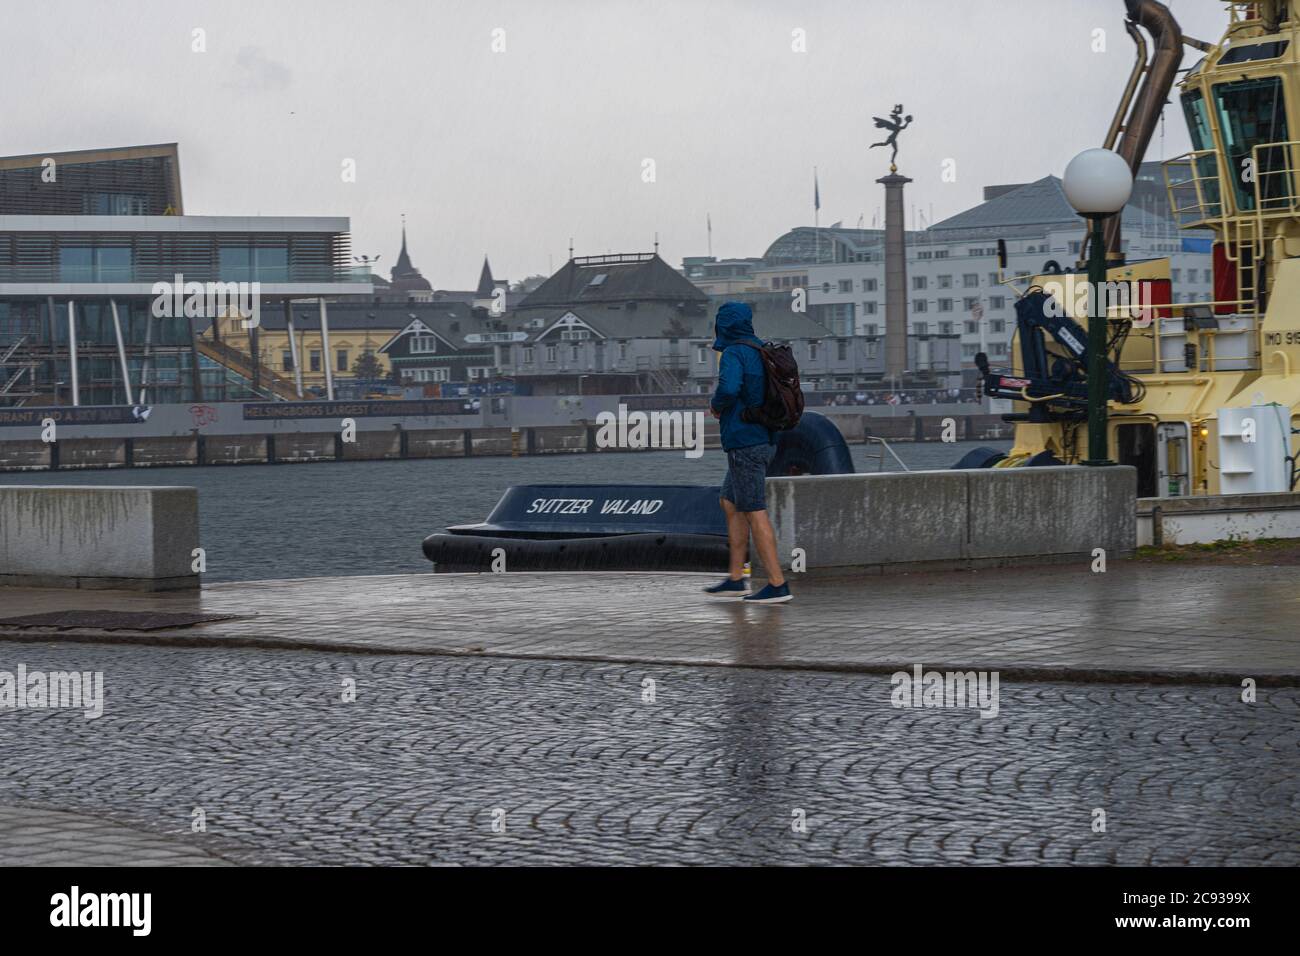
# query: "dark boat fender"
[[622, 552], [813, 447], [980, 458]]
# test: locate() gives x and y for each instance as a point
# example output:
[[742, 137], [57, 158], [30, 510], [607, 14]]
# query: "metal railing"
[[880, 456]]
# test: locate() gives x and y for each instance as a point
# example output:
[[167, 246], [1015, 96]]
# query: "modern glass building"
[[84, 239]]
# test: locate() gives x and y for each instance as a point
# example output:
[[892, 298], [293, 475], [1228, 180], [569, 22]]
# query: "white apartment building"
[[952, 267]]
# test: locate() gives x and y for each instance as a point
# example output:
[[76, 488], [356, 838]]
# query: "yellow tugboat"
[[1203, 397]]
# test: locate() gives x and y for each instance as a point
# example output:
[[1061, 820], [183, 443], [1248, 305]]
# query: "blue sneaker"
[[771, 595], [728, 589]]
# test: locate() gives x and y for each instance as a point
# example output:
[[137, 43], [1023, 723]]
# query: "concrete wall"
[[1205, 519], [954, 519], [98, 537]]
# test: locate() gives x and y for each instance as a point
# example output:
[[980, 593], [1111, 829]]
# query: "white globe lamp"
[[1098, 183]]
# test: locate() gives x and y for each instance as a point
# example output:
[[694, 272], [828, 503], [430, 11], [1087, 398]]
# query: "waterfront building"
[[86, 238], [952, 267], [722, 276]]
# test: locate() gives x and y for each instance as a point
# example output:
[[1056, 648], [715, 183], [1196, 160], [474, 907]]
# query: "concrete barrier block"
[[90, 536], [92, 453], [845, 521], [491, 441], [31, 455], [435, 443], [1024, 512], [371, 446], [304, 446], [234, 449], [165, 451], [559, 438]]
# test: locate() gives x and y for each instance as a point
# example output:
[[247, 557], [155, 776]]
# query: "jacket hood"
[[734, 323]]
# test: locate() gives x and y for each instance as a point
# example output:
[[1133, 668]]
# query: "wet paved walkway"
[[592, 763], [34, 837], [1137, 621]]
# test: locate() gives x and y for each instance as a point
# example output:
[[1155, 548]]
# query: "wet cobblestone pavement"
[[585, 770]]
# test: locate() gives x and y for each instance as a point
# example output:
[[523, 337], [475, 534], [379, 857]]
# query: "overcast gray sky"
[[511, 153]]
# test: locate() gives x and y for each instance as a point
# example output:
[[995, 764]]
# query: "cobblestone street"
[[713, 771]]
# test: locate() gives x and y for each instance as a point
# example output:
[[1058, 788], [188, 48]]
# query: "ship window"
[[1198, 120], [1252, 113], [1256, 51]]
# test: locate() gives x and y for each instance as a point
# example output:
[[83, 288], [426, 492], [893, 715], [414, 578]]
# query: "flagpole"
[[817, 206]]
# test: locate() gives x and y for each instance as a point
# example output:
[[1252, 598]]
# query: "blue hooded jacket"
[[740, 377]]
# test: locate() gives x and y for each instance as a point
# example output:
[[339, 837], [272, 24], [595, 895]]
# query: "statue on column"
[[895, 124]]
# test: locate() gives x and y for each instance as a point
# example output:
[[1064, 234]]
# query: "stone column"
[[895, 276]]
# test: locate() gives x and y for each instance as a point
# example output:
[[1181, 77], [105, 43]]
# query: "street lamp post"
[[1097, 183]]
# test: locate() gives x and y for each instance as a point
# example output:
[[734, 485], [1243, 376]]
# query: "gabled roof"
[[417, 327], [642, 277]]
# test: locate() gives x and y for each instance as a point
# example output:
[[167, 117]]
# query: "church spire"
[[485, 281], [407, 278], [403, 265]]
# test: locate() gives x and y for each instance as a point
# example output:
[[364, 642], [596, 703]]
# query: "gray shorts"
[[745, 484]]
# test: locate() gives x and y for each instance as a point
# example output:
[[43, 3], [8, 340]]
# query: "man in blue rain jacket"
[[750, 448]]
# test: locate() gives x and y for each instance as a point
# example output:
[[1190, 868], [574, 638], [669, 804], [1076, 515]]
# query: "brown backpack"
[[782, 397]]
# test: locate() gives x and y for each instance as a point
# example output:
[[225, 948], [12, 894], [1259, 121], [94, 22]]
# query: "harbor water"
[[369, 517]]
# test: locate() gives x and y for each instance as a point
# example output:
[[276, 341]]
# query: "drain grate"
[[111, 620]]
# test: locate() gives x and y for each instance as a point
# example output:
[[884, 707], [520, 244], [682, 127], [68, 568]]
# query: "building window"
[[969, 351], [868, 308], [286, 361], [970, 303], [945, 328], [993, 278], [550, 354], [423, 344], [997, 325], [945, 282], [921, 328], [477, 372], [573, 353], [812, 351], [527, 355], [701, 354], [920, 305], [841, 350], [997, 302], [970, 280], [846, 285], [622, 351], [972, 328], [872, 329], [945, 305], [342, 357], [91, 264], [431, 375], [315, 360], [919, 282], [574, 335], [869, 285]]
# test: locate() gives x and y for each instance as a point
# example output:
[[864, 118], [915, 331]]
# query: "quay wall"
[[954, 519], [233, 433], [98, 537]]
